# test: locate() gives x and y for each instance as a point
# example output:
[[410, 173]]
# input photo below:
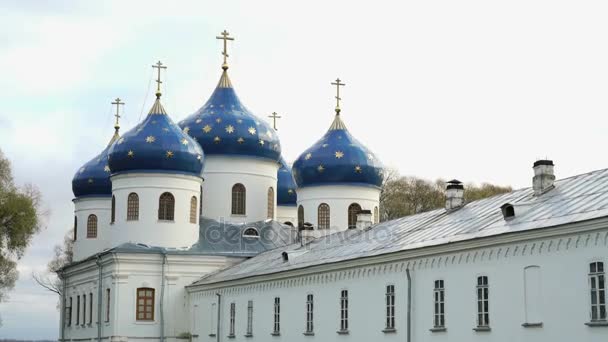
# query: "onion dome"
[[286, 193], [337, 159], [93, 178], [224, 126], [157, 144]]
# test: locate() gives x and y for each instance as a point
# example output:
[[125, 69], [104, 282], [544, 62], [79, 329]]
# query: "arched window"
[[353, 210], [132, 207], [75, 228], [323, 216], [238, 199], [193, 209], [376, 215], [251, 232], [145, 304], [166, 207], [92, 227], [270, 203], [113, 210], [300, 216], [200, 204]]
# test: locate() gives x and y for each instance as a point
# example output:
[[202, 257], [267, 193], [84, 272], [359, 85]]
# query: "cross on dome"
[[225, 37], [338, 83], [159, 65], [274, 118]]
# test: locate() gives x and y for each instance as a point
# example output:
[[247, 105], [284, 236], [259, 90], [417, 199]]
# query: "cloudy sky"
[[475, 90]]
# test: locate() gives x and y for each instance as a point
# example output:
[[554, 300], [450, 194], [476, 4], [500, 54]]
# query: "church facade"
[[201, 231]]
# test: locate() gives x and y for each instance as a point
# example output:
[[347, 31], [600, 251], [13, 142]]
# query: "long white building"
[[198, 231]]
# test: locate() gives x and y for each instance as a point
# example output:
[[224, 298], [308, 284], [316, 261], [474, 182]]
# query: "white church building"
[[200, 231]]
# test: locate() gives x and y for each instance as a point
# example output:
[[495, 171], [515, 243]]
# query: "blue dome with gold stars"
[[286, 193], [337, 159], [224, 126], [93, 178], [157, 144]]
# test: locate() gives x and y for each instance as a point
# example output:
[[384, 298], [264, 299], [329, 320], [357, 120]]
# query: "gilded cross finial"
[[158, 66], [118, 103], [274, 118], [338, 83], [225, 37]]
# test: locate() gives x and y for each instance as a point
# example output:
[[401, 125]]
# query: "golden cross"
[[118, 103], [274, 118], [225, 38], [158, 66], [338, 83]]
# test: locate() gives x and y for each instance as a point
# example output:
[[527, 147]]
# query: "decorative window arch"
[[193, 208], [200, 203], [75, 228], [166, 207], [323, 216], [133, 207], [145, 304], [251, 232], [376, 215], [239, 196], [113, 210], [300, 216], [92, 226], [270, 203], [353, 210]]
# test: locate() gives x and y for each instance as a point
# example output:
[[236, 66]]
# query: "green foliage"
[[19, 221], [403, 196]]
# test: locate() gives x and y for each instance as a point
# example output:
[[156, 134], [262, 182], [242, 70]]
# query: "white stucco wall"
[[148, 229], [221, 173], [339, 198], [287, 214], [83, 207]]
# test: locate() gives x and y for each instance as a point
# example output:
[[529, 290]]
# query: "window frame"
[[69, 313], [310, 309], [323, 216], [166, 207], [77, 310], [90, 308], [270, 203], [145, 297], [390, 307], [84, 310], [108, 293], [343, 310], [232, 320], [133, 207], [439, 304], [277, 316], [92, 224], [249, 330], [376, 215], [597, 289], [352, 214], [238, 205], [300, 216], [193, 209], [75, 237], [482, 294], [113, 210]]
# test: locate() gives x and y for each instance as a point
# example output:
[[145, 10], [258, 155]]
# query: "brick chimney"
[[454, 195], [544, 177], [364, 219]]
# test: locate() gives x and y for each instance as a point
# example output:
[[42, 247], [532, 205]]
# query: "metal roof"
[[573, 199]]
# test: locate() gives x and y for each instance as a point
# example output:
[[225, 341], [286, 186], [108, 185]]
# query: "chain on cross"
[[338, 83]]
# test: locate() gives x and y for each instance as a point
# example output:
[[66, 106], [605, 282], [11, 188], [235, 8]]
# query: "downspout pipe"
[[162, 297], [409, 305], [99, 297], [219, 302], [63, 303]]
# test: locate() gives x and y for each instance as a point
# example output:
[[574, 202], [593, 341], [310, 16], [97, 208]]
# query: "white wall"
[[287, 214], [221, 173], [564, 306], [83, 207], [339, 198], [148, 229]]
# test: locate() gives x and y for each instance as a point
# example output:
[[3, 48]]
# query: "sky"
[[474, 90]]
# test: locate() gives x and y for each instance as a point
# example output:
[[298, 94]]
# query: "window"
[[532, 295], [68, 313], [353, 210], [251, 232], [77, 310], [439, 307], [376, 215], [323, 216], [90, 308], [75, 228], [238, 199], [84, 309], [309, 314], [200, 204], [483, 313], [232, 314], [249, 318], [344, 310], [145, 304], [300, 216], [166, 207], [113, 210], [277, 316], [597, 281], [132, 207], [92, 227], [390, 307], [270, 203], [212, 320], [193, 208], [107, 305]]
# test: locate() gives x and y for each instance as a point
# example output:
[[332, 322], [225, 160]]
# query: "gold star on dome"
[[321, 168], [121, 140], [198, 120], [308, 156], [211, 106], [90, 180], [184, 141], [131, 153], [150, 139], [251, 130], [217, 140], [207, 129], [106, 168], [186, 129], [339, 154], [261, 142], [169, 154], [290, 191], [199, 157], [240, 140], [218, 120], [358, 169], [230, 129]]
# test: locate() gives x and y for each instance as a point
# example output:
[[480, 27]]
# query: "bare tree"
[[63, 255]]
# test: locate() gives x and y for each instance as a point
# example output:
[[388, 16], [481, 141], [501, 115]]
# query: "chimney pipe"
[[364, 219], [544, 177], [454, 195]]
